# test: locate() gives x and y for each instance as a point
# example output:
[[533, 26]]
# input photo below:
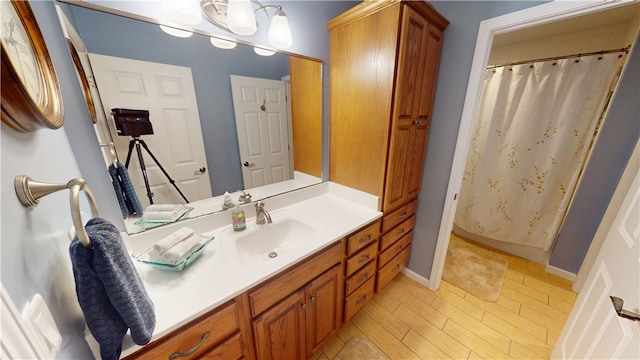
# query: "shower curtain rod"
[[602, 52]]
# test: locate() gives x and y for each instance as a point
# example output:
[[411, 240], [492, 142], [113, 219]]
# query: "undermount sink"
[[261, 243]]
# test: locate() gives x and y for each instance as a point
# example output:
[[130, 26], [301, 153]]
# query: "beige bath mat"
[[478, 271], [358, 349]]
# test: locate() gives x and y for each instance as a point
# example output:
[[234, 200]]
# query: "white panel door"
[[168, 93], [260, 108], [594, 330]]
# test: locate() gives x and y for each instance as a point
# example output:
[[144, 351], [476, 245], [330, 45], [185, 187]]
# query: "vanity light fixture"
[[239, 17], [183, 11], [222, 44], [263, 52], [176, 32]]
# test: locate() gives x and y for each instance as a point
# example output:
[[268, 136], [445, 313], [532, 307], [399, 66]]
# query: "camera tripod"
[[136, 141]]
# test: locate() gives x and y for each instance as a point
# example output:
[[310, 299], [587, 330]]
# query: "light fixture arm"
[[265, 7]]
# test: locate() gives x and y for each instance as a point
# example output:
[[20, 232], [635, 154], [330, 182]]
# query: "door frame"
[[537, 15]]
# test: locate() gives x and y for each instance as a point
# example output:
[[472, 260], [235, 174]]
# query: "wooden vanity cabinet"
[[384, 62], [294, 313], [215, 335]]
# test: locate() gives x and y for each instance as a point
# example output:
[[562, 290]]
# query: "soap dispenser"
[[238, 219], [227, 203]]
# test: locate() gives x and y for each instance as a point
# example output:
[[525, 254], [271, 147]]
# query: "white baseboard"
[[559, 272], [416, 277]]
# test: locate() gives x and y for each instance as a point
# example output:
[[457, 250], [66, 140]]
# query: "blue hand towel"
[[133, 203], [109, 289], [115, 181], [122, 186]]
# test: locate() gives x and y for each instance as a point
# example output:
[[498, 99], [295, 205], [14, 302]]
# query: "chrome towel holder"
[[29, 193]]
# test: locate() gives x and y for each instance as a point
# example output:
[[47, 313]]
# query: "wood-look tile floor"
[[408, 321]]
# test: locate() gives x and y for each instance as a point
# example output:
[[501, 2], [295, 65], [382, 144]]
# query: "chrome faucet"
[[245, 198], [262, 215]]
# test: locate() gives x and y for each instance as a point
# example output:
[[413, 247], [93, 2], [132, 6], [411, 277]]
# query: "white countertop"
[[216, 277]]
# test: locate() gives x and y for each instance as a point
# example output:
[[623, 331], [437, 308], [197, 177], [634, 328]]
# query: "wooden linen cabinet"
[[384, 63]]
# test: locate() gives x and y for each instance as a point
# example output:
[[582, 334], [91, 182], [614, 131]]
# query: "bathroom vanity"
[[235, 301]]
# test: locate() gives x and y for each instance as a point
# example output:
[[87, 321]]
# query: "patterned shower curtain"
[[532, 135]]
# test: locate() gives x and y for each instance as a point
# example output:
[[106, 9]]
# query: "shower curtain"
[[532, 135]]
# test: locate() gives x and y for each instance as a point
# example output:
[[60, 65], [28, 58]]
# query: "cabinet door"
[[323, 310], [280, 331], [411, 116]]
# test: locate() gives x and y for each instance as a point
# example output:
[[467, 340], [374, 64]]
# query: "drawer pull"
[[398, 249], [363, 259], [403, 215], [396, 268], [400, 233], [362, 300], [365, 240], [194, 349], [363, 279]]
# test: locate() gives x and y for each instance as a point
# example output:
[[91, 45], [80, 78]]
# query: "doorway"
[[521, 20]]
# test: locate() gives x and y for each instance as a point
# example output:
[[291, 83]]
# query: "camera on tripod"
[[135, 123], [132, 122]]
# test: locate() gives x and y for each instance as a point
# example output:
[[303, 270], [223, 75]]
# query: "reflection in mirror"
[[185, 85]]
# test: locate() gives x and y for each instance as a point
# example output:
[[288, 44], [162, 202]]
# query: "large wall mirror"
[[222, 120]]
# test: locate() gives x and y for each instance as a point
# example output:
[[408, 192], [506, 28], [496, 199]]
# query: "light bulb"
[[176, 32], [279, 31], [223, 44], [240, 17], [263, 52]]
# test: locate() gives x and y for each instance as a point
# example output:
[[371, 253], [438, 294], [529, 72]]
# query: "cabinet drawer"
[[270, 292], [385, 256], [219, 324], [397, 232], [358, 299], [363, 238], [360, 277], [389, 271], [362, 258], [231, 349], [396, 217]]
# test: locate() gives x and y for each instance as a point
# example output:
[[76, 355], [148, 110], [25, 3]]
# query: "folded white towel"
[[164, 207], [163, 215], [162, 246], [182, 249]]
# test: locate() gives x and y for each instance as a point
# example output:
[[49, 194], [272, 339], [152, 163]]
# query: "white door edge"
[[537, 15]]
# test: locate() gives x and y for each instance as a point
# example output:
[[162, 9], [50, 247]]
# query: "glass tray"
[[144, 257], [148, 224]]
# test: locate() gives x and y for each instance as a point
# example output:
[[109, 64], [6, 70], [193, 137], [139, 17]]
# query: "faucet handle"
[[259, 205], [245, 198]]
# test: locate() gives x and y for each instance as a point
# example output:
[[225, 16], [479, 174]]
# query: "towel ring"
[[29, 193]]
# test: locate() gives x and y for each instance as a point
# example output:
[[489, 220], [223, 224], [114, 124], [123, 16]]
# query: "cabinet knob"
[[176, 355], [418, 122], [303, 306], [364, 278], [363, 259], [313, 299], [362, 300]]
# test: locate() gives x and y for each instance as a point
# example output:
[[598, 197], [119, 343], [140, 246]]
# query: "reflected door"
[[168, 93], [260, 108]]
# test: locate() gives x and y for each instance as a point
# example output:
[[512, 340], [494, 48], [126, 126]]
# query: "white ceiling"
[[620, 15]]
